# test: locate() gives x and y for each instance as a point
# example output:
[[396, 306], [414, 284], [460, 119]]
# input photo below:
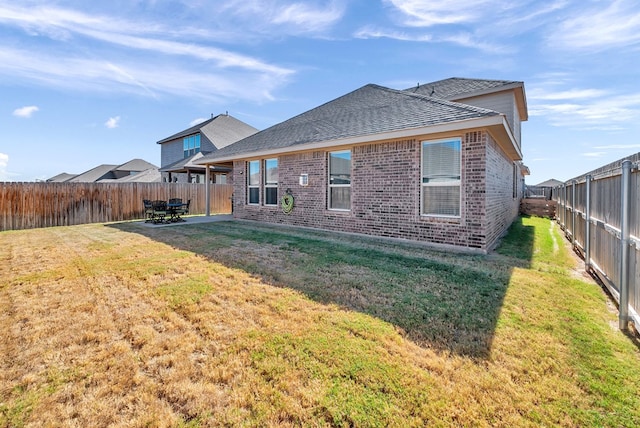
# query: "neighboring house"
[[180, 151], [136, 170], [550, 183], [409, 164], [60, 178]]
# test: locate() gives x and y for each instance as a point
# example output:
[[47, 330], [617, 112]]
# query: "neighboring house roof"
[[151, 175], [135, 165], [371, 110], [550, 183], [94, 174], [458, 88], [221, 130], [188, 164], [112, 173], [60, 178]]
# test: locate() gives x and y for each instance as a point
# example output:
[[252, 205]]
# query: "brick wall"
[[385, 194], [502, 207]]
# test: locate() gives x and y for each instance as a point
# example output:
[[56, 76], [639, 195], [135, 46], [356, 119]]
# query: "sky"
[[88, 83]]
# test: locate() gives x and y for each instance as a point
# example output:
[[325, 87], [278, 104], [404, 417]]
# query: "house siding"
[[503, 102], [385, 194]]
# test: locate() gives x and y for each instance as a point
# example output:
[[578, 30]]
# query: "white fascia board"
[[505, 139], [496, 120]]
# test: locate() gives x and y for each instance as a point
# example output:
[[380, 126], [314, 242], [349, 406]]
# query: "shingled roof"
[[456, 88], [220, 130], [369, 110]]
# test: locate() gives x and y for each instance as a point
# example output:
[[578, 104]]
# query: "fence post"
[[562, 205], [625, 206], [207, 190], [573, 214], [587, 226]]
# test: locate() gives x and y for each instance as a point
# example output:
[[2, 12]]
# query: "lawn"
[[240, 324]]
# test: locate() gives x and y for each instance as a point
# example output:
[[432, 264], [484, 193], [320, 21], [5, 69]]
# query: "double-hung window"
[[340, 180], [253, 182], [271, 182], [441, 177], [191, 145]]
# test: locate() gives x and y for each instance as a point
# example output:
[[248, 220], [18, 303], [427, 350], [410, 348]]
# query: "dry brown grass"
[[106, 327]]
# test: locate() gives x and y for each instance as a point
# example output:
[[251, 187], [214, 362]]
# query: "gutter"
[[495, 123]]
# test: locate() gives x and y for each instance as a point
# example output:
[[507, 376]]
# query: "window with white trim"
[[271, 181], [340, 180], [440, 189], [253, 182]]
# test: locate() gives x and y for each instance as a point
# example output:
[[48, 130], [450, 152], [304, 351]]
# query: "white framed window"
[[440, 187], [253, 182], [340, 180], [271, 181]]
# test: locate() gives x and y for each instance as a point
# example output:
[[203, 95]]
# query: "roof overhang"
[[496, 125]]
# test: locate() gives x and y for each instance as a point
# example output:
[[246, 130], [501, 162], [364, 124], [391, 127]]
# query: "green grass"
[[241, 324]]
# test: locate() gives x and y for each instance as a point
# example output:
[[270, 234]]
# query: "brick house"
[[438, 163], [180, 151]]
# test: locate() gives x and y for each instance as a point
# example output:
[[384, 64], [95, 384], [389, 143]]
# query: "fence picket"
[[33, 205]]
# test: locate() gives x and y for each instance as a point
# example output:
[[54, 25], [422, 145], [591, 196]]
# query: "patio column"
[[207, 198]]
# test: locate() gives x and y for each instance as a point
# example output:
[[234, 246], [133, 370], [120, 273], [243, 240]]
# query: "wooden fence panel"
[[32, 205]]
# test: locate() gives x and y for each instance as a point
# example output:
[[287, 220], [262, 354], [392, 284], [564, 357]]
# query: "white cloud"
[[135, 56], [370, 32], [419, 13], [594, 154], [112, 122], [466, 40], [26, 111], [284, 17], [615, 25], [194, 122], [619, 147], [570, 94], [584, 108], [308, 17]]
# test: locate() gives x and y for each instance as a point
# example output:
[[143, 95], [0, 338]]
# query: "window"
[[271, 182], [253, 182], [340, 180], [191, 145], [441, 177]]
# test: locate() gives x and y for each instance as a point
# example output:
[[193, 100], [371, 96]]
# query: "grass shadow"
[[447, 301]]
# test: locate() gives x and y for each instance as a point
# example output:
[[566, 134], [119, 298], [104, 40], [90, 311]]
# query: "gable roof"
[[552, 182], [135, 165], [151, 175], [94, 174], [108, 172], [221, 130], [459, 88], [371, 110], [60, 178]]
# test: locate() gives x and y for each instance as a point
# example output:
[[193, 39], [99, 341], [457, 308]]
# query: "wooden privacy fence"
[[32, 205], [600, 214]]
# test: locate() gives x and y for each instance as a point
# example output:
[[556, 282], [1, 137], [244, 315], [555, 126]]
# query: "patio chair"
[[148, 210], [159, 211], [185, 208]]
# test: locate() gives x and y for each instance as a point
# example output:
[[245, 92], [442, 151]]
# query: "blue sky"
[[85, 83]]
